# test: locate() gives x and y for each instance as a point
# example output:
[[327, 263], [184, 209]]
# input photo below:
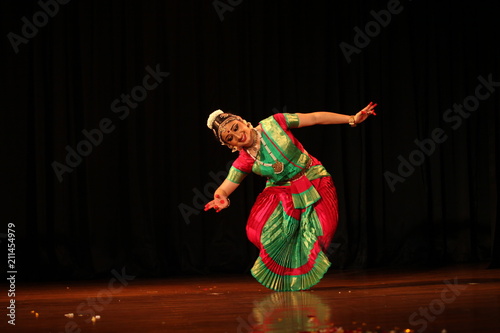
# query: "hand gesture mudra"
[[365, 113], [219, 203]]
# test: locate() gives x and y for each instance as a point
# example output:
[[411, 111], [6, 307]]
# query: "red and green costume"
[[294, 218]]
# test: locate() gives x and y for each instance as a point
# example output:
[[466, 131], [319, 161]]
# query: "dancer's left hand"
[[365, 113]]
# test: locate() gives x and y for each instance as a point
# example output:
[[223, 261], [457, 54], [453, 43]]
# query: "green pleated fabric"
[[279, 282], [291, 258]]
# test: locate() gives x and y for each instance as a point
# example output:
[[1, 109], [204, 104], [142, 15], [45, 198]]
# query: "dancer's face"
[[238, 134]]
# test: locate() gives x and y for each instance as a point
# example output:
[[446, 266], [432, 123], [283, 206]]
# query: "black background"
[[136, 199]]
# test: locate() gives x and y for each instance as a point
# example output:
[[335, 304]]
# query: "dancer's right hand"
[[219, 203]]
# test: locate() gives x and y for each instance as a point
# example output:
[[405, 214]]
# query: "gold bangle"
[[352, 121]]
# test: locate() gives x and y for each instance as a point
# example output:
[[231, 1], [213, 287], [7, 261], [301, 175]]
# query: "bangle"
[[352, 121], [228, 202]]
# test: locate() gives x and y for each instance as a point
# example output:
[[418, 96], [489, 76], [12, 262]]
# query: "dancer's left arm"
[[331, 118]]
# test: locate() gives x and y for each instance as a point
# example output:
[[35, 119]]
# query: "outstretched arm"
[[221, 194], [330, 118]]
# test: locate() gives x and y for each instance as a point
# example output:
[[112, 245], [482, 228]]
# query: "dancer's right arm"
[[221, 194]]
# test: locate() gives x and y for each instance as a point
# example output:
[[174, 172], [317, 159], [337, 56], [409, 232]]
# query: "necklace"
[[277, 166]]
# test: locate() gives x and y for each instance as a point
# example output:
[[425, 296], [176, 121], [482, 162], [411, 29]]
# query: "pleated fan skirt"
[[292, 242]]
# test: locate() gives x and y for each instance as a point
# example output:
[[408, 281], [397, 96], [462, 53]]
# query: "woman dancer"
[[295, 217]]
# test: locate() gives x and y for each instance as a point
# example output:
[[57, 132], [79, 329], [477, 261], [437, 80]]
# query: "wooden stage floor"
[[450, 299]]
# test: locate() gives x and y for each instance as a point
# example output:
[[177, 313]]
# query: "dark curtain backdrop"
[[135, 199]]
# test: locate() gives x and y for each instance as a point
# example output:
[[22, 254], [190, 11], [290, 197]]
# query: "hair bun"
[[212, 117]]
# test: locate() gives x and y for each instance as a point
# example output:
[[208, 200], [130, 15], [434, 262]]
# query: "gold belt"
[[298, 175]]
